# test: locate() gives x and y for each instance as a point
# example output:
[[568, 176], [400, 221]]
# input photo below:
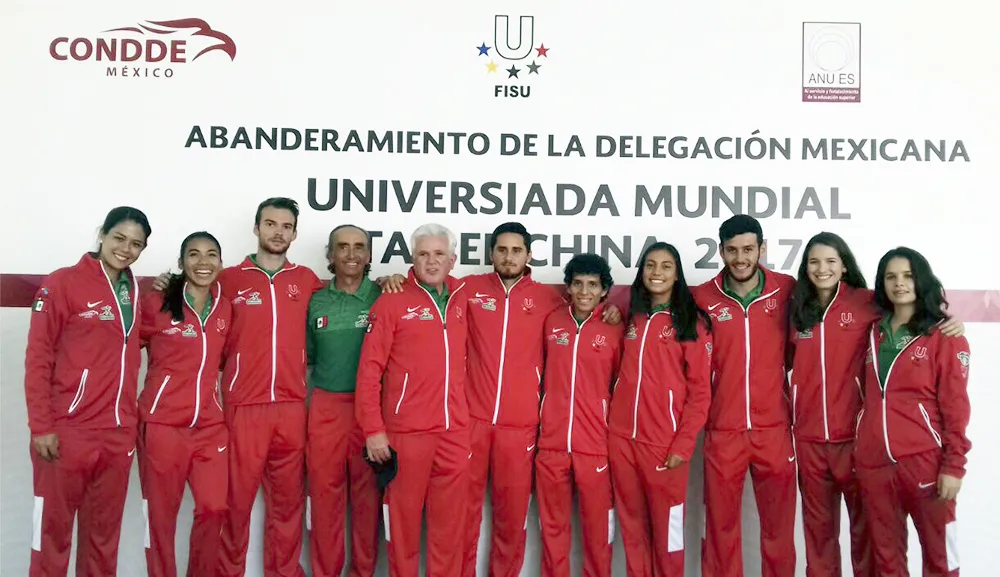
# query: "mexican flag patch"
[[321, 322], [38, 306]]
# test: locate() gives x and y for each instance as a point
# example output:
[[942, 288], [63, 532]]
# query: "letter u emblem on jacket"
[[847, 318], [920, 352], [771, 304]]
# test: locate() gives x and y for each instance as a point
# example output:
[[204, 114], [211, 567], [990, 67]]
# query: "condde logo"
[[149, 49]]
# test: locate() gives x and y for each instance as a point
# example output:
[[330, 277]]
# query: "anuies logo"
[[519, 58], [149, 49]]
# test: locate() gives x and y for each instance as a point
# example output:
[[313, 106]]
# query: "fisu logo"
[[525, 37]]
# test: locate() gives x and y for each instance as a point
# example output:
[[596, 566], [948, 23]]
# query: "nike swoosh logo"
[[91, 305], [481, 295], [713, 307], [130, 453], [554, 331], [412, 309], [530, 447], [792, 458], [661, 468], [601, 469], [175, 322], [223, 448], [926, 485], [243, 291]]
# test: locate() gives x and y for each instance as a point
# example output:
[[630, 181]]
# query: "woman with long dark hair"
[[911, 438], [660, 403], [183, 437], [81, 373], [832, 311]]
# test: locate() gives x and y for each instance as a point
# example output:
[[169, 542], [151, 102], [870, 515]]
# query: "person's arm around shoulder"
[[368, 393], [49, 312], [953, 364], [149, 309]]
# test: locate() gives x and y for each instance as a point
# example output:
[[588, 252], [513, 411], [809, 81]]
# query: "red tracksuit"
[[504, 372], [912, 429], [580, 364], [81, 373], [411, 385], [748, 427], [264, 393], [827, 366], [660, 403], [183, 437]]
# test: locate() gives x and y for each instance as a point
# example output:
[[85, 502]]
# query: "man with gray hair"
[[410, 402]]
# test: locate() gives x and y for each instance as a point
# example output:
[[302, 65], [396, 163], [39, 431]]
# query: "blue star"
[[484, 49]]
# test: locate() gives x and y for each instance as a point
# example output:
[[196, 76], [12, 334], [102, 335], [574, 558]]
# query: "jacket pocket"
[[857, 423], [927, 421], [78, 398], [670, 407], [156, 399], [236, 373], [406, 379]]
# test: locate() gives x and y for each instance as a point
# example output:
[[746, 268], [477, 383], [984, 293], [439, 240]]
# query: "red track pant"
[[557, 473], [650, 501], [89, 479], [769, 456], [169, 458], [336, 468], [826, 471], [909, 487], [266, 443], [505, 455], [433, 470]]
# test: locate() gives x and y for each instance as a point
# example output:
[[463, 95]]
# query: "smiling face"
[[659, 273], [122, 245], [586, 292], [900, 285], [201, 262], [741, 255], [824, 267], [349, 253], [432, 259], [510, 256]]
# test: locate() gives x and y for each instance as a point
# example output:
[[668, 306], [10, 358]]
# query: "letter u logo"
[[525, 37], [920, 352], [846, 318], [599, 340]]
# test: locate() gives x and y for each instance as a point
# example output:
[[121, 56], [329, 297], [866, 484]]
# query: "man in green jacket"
[[337, 322]]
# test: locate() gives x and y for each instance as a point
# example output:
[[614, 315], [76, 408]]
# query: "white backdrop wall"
[[81, 140]]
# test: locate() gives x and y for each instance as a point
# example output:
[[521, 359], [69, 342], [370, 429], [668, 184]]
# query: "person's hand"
[[952, 327], [674, 461], [160, 283], [948, 487], [47, 446], [611, 315], [391, 284], [378, 448]]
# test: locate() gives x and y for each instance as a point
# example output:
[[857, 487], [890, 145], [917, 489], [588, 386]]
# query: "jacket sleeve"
[[698, 396], [49, 311], [147, 327], [374, 358], [953, 402]]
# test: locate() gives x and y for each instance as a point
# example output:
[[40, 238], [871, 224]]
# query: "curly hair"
[[588, 263]]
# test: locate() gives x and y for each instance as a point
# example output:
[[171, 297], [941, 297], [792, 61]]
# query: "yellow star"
[[491, 67]]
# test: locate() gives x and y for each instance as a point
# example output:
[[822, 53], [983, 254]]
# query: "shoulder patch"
[[964, 358]]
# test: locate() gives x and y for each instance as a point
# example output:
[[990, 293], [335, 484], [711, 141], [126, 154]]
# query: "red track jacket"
[[580, 365], [411, 377], [184, 362], [748, 360], [664, 388], [265, 358], [79, 369], [922, 406], [827, 366], [505, 347]]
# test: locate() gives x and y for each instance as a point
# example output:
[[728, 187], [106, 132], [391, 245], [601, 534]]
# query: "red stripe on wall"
[[971, 306]]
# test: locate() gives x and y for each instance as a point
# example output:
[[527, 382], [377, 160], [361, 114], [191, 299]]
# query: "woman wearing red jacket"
[[81, 372], [659, 404], [581, 359], [183, 437], [911, 442], [831, 314]]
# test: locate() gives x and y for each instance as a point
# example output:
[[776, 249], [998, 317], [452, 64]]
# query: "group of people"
[[407, 395]]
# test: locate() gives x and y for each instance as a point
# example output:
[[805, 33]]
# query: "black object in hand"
[[384, 472]]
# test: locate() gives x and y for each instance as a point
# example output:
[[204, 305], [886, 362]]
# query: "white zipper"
[[236, 373], [447, 349], [638, 382], [538, 374], [121, 322], [673, 420], [79, 391], [541, 407], [884, 386], [406, 378], [795, 399], [604, 410], [572, 380], [857, 425], [204, 349], [274, 321], [156, 399], [861, 393], [503, 344], [927, 419], [746, 332], [822, 360]]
